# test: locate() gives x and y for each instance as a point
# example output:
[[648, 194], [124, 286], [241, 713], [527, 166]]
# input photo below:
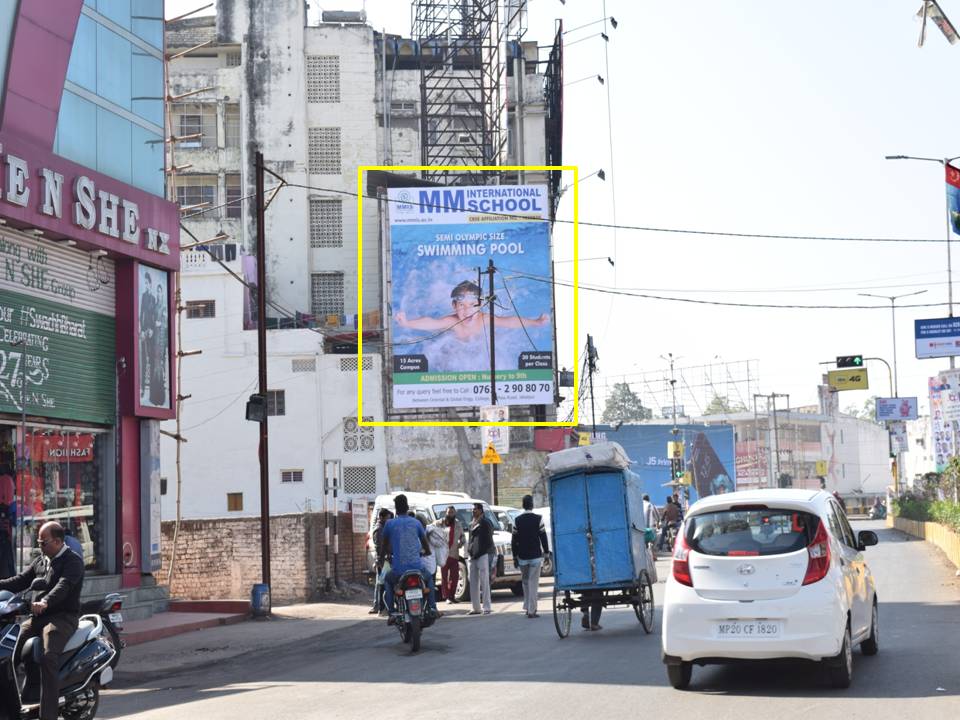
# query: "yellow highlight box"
[[576, 268]]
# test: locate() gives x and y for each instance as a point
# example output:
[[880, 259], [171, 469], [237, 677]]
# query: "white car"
[[765, 574]]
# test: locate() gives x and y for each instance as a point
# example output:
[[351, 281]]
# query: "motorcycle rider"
[[55, 608], [669, 518], [404, 538]]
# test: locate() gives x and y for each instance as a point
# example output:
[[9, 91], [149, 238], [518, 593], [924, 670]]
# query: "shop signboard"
[[57, 349], [440, 239]]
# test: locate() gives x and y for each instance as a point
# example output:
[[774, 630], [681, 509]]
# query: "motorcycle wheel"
[[415, 631], [83, 706]]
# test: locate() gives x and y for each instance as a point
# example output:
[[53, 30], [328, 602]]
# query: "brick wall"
[[219, 558]]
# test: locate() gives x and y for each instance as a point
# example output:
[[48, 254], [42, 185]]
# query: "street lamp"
[[946, 167], [893, 318], [599, 173], [598, 78]]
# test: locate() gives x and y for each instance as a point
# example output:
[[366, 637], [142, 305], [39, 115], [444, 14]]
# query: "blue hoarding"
[[709, 453]]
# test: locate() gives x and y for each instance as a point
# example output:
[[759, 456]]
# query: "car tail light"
[[681, 562], [818, 552], [413, 581]]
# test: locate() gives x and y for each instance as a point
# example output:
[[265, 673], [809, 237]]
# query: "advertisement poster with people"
[[441, 240], [153, 311]]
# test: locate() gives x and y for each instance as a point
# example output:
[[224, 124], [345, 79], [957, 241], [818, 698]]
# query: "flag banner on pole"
[[953, 197], [930, 9]]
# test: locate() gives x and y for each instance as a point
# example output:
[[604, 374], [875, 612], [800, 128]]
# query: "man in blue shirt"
[[404, 537]]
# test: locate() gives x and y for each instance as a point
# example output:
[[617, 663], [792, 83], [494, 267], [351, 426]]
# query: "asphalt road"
[[510, 666]]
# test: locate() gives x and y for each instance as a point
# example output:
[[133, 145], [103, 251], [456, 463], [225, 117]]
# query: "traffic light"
[[676, 469], [845, 361]]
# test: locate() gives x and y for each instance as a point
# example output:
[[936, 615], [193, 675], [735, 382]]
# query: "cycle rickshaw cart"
[[599, 536]]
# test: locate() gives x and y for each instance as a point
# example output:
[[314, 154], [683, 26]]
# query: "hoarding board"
[[709, 455], [848, 379], [938, 337], [499, 437], [942, 435], [904, 408], [440, 241], [898, 437]]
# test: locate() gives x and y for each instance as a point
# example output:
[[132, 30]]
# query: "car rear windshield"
[[752, 531]]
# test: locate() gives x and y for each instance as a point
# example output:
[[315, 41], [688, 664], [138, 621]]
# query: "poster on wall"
[[440, 241], [153, 311], [940, 428], [150, 495]]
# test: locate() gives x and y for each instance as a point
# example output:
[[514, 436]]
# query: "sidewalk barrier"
[[935, 533]]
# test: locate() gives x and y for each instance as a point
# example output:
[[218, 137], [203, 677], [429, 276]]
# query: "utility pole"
[[489, 272], [262, 371], [592, 368]]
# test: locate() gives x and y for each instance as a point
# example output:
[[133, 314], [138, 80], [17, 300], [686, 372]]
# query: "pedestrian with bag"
[[529, 543], [480, 546]]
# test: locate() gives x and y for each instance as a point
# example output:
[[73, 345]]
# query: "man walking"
[[481, 544], [450, 570], [530, 545], [56, 608]]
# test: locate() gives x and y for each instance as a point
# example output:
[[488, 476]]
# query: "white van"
[[432, 506]]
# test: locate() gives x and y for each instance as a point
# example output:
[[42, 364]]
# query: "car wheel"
[[517, 589], [462, 593], [841, 666], [871, 646], [679, 675]]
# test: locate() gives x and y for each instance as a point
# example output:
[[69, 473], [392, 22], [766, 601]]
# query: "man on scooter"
[[404, 537], [56, 607]]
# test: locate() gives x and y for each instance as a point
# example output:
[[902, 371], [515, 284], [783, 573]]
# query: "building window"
[[360, 480], [357, 438], [324, 150], [233, 59], [349, 364], [276, 402], [326, 222], [193, 119], [291, 476], [301, 365], [163, 486], [193, 190], [234, 502], [234, 207], [326, 294], [197, 309], [323, 78], [231, 126]]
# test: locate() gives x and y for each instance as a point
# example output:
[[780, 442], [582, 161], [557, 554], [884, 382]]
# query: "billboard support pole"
[[491, 269]]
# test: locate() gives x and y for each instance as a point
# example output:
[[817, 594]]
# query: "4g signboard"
[[848, 379]]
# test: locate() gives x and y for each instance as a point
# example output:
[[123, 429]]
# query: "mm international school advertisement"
[[440, 333]]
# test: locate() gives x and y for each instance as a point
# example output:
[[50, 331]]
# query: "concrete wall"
[[219, 558]]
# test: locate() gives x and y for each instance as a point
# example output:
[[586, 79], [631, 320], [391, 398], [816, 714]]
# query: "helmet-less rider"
[[405, 539]]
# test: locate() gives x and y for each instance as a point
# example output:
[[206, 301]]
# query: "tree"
[[624, 405], [867, 412], [721, 405]]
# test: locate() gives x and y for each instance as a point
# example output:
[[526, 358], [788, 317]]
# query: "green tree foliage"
[[624, 405], [721, 404]]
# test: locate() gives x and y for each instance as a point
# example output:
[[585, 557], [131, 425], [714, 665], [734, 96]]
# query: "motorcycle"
[[108, 608], [84, 666], [878, 512], [412, 612]]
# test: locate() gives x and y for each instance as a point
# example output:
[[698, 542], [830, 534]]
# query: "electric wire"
[[515, 310]]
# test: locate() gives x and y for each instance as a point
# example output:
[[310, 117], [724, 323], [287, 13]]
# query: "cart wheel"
[[644, 605], [562, 613]]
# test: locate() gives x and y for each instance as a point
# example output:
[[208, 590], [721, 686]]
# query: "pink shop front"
[[87, 265]]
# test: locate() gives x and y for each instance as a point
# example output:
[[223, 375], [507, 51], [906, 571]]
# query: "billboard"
[[440, 241], [899, 408], [850, 379], [939, 337], [708, 453], [941, 429]]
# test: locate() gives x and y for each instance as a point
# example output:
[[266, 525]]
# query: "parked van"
[[433, 505]]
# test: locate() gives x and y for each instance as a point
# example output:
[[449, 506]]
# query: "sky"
[[749, 116]]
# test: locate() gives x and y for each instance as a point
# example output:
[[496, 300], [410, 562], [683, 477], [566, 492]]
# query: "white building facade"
[[312, 100]]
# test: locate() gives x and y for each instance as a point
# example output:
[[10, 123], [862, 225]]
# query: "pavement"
[[337, 658]]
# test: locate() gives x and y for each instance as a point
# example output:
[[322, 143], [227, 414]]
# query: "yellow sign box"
[[675, 449], [848, 379], [490, 456], [822, 467], [583, 438]]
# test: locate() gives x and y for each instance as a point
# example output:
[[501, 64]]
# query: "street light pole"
[[893, 318], [945, 162]]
